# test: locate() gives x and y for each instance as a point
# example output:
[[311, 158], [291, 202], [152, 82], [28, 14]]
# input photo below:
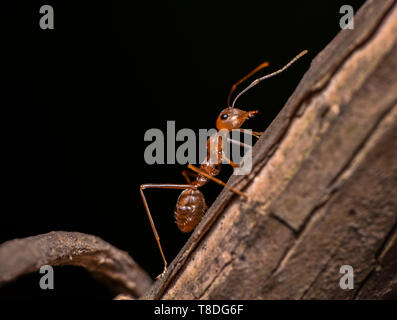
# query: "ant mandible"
[[191, 206]]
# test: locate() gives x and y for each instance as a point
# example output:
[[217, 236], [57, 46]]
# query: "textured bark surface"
[[323, 190], [105, 262]]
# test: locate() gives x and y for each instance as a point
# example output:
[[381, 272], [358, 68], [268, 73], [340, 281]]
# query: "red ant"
[[191, 206]]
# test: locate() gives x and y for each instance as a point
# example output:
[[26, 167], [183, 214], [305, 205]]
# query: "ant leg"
[[186, 175], [156, 235], [241, 144], [230, 162], [200, 172], [256, 134]]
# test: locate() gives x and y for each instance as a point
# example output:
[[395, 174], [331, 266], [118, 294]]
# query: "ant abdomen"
[[189, 210]]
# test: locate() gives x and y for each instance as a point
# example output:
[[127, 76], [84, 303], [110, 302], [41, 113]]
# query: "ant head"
[[233, 118]]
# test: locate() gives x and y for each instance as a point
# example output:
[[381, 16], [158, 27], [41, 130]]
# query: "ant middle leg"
[[218, 181], [230, 162]]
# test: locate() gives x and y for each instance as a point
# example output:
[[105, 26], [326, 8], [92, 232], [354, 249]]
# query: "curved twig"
[[105, 262]]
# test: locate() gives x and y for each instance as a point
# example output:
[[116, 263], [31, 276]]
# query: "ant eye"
[[224, 116]]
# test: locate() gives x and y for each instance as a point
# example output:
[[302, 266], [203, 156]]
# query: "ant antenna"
[[258, 68], [255, 82]]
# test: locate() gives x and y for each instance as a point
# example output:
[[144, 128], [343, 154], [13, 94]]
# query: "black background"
[[79, 99]]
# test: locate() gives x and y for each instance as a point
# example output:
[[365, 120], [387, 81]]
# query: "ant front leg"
[[241, 144], [156, 235], [256, 134]]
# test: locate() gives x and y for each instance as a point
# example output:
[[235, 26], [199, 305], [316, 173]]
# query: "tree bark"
[[323, 190]]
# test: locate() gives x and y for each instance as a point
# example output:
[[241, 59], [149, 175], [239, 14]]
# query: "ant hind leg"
[[156, 235]]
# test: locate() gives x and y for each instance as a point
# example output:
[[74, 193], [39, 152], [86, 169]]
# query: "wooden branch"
[[105, 262], [322, 193]]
